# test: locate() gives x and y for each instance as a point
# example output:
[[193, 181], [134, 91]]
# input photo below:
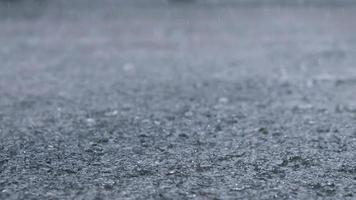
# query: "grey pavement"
[[158, 100]]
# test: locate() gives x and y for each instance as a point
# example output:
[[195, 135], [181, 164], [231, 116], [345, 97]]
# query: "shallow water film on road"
[[177, 99]]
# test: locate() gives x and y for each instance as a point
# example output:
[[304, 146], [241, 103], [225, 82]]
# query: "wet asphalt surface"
[[120, 100]]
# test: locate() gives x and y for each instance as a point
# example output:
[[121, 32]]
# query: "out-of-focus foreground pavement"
[[158, 100]]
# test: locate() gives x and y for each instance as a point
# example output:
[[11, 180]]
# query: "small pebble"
[[223, 100], [90, 121], [172, 172], [263, 130], [111, 113], [188, 114]]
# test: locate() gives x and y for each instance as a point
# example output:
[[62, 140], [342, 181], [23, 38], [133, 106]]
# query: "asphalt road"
[[187, 101]]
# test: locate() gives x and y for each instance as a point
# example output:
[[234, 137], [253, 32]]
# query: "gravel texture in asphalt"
[[177, 101]]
